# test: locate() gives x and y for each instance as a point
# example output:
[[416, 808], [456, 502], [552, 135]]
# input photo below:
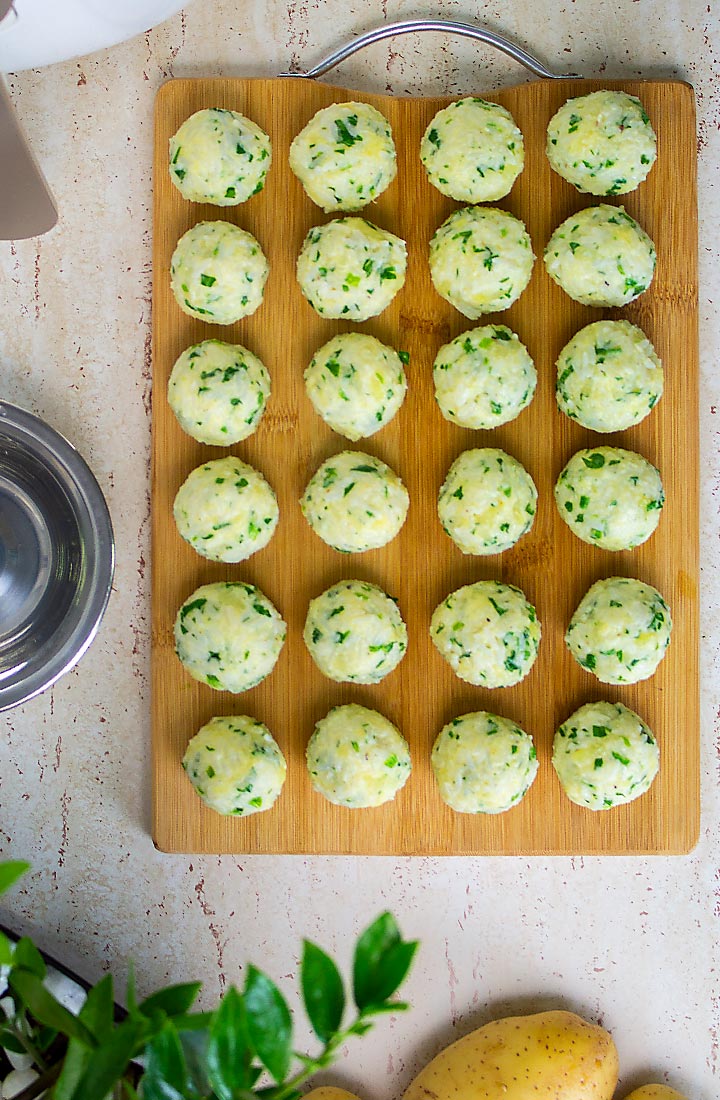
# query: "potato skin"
[[329, 1092], [545, 1056], [656, 1092]]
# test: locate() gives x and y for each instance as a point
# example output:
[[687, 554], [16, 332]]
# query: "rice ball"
[[484, 377], [345, 156], [473, 151], [488, 633], [226, 510], [218, 273], [481, 260], [602, 143], [601, 257], [218, 392], [483, 764], [620, 630], [357, 758], [487, 501], [355, 633], [235, 765], [355, 502], [356, 384], [220, 157], [608, 376], [351, 269], [229, 635], [610, 497], [604, 756]]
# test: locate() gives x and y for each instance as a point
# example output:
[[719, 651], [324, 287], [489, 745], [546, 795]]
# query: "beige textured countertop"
[[630, 942]]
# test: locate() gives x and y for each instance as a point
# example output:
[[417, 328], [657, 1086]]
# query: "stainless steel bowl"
[[56, 555]]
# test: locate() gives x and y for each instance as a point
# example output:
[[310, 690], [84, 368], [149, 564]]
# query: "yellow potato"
[[547, 1056], [329, 1092], [652, 1092]]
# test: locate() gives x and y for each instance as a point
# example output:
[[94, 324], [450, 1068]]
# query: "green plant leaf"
[[10, 871], [9, 1041], [272, 1091], [98, 1011], [195, 1048], [75, 1063], [6, 951], [322, 990], [370, 950], [381, 962], [106, 1064], [31, 992], [27, 957], [44, 1038], [166, 1076], [388, 1006], [175, 1000], [155, 1088], [269, 1023], [230, 1051], [193, 1021], [391, 974]]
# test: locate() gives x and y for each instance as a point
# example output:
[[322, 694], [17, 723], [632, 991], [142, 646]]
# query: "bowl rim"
[[88, 503]]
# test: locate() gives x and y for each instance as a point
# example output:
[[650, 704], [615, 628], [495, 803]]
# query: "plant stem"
[[28, 1046], [288, 1087]]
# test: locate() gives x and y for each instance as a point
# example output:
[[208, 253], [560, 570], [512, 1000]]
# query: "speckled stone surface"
[[632, 943]]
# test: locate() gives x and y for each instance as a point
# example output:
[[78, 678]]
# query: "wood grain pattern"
[[422, 565]]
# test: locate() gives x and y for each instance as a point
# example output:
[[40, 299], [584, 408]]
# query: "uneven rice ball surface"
[[603, 143], [604, 756], [483, 764], [473, 151], [220, 157], [357, 758], [345, 156], [235, 765]]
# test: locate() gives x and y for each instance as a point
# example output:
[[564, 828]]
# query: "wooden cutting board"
[[421, 566]]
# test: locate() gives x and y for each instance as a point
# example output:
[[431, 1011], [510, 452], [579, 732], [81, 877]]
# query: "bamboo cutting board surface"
[[421, 566]]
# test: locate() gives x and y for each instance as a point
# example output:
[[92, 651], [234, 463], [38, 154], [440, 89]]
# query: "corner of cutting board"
[[162, 839], [162, 93], [687, 87], [169, 90]]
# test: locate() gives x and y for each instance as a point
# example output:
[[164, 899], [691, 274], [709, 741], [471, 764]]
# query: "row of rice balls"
[[604, 756], [481, 260], [602, 143], [609, 497], [609, 377], [229, 635]]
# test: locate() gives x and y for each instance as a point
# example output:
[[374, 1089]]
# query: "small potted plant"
[[161, 1048]]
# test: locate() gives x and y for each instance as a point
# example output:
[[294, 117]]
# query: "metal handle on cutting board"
[[448, 26]]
